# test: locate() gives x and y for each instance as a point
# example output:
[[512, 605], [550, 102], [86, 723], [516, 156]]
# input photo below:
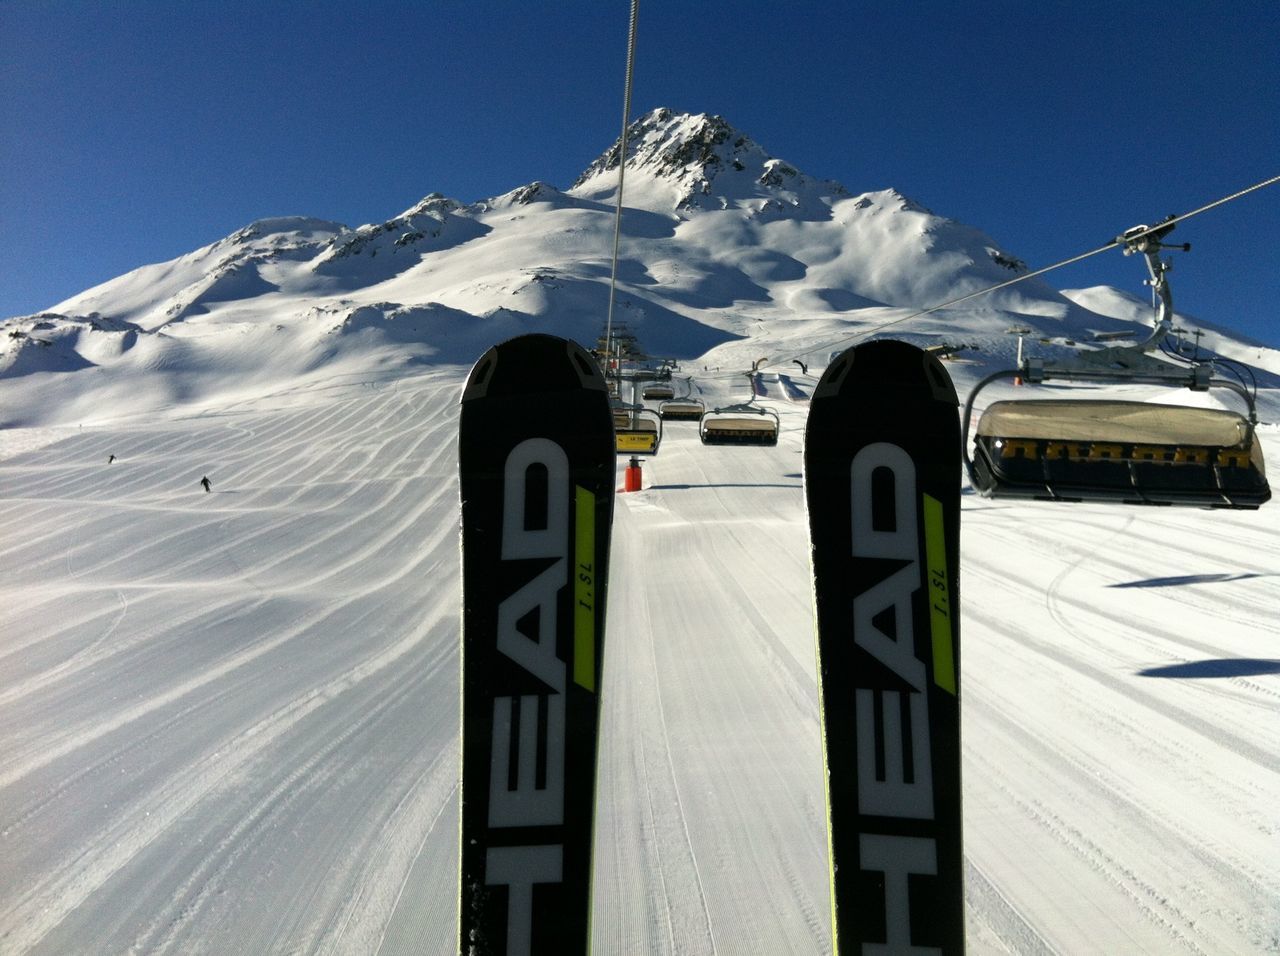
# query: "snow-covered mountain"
[[728, 254], [229, 713]]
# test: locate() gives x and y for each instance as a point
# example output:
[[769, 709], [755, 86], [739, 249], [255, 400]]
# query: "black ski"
[[882, 485], [536, 468]]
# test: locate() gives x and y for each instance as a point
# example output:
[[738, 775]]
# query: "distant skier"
[[207, 484], [110, 459]]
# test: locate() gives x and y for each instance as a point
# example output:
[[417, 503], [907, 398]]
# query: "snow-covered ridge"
[[728, 253], [285, 231], [414, 230], [153, 295]]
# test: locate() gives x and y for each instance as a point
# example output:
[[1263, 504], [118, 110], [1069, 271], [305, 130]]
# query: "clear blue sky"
[[133, 132]]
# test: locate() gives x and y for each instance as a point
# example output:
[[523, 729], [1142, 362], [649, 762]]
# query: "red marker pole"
[[631, 480]]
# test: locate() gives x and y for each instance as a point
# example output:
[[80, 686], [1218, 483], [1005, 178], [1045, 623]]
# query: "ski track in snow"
[[228, 721], [1204, 772]]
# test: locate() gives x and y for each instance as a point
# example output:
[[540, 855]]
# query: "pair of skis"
[[537, 467]]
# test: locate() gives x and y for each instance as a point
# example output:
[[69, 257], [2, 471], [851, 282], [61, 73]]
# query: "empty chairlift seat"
[[657, 392], [681, 410], [1133, 452], [739, 425]]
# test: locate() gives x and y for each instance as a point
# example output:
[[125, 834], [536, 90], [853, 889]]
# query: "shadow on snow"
[[1236, 667], [1181, 579]]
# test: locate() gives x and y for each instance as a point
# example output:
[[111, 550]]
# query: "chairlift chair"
[[743, 424], [657, 392], [1121, 451], [681, 410], [637, 430]]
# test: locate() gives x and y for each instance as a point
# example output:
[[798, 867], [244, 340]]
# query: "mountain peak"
[[671, 144], [701, 155]]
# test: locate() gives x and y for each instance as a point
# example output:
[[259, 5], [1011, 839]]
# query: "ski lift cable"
[[1227, 366], [1240, 367], [1240, 370], [622, 165], [1128, 237], [1174, 352]]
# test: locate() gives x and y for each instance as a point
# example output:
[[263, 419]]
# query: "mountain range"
[[727, 254]]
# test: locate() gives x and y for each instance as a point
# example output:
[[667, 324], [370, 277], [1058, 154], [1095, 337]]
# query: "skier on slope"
[[206, 483]]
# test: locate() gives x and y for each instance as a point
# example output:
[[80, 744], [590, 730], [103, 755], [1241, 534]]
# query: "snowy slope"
[[228, 721]]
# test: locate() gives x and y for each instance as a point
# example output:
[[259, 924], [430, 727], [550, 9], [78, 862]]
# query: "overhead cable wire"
[[622, 165], [1217, 202], [1126, 238]]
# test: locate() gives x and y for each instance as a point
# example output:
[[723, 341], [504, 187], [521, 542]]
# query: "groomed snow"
[[229, 719]]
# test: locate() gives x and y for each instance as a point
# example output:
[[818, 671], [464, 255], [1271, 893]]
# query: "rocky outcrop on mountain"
[[703, 157]]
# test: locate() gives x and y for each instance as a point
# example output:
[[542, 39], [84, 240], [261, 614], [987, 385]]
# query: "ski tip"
[[536, 362], [887, 365]]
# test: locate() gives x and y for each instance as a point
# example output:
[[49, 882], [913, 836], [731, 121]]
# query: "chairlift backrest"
[[740, 425], [1118, 451], [681, 409], [637, 430]]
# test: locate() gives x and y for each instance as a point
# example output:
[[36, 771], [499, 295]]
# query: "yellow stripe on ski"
[[935, 546], [584, 590]]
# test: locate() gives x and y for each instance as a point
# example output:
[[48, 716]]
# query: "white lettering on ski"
[[897, 857], [895, 795], [518, 868], [520, 802]]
